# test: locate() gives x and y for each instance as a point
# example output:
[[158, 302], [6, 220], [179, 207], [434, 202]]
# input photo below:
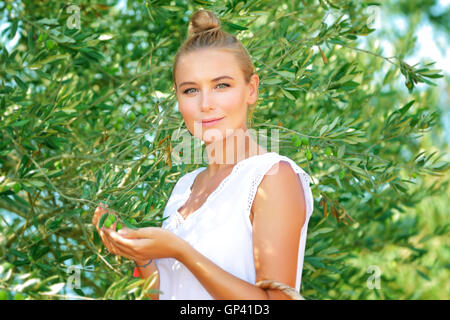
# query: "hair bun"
[[203, 20]]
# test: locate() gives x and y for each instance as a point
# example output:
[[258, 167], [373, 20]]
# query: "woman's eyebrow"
[[213, 80], [222, 77]]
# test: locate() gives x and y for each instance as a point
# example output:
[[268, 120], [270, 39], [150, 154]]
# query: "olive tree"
[[88, 115]]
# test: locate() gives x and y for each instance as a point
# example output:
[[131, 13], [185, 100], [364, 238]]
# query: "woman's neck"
[[226, 153]]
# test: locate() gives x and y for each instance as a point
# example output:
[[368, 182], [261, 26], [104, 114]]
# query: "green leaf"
[[336, 41], [357, 170], [102, 220], [20, 123], [55, 173], [349, 85], [171, 8], [423, 275], [341, 151], [321, 230], [97, 239], [287, 74], [13, 29], [288, 94], [145, 224], [20, 83], [41, 63], [37, 183], [333, 124], [434, 76], [406, 107], [41, 252], [53, 225], [30, 40], [61, 38], [323, 129], [65, 257], [315, 261], [97, 56], [234, 26], [48, 22], [18, 253], [129, 224], [79, 292], [271, 81]]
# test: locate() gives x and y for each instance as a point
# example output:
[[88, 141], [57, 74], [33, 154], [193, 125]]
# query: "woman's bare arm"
[[278, 219], [147, 272]]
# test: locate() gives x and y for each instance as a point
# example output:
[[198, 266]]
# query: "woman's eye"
[[225, 84], [187, 90]]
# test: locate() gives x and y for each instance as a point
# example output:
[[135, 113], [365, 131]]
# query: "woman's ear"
[[253, 86]]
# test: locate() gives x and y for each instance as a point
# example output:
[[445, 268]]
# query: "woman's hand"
[[99, 212], [144, 244]]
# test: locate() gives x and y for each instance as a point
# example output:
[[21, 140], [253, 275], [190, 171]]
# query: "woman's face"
[[209, 85]]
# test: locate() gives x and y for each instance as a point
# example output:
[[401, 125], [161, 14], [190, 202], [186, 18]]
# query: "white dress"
[[221, 228]]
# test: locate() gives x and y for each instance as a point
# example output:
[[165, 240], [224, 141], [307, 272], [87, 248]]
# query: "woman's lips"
[[211, 123]]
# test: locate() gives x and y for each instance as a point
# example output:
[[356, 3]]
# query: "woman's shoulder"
[[278, 171]]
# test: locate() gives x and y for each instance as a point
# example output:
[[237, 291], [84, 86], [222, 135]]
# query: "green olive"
[[4, 295], [17, 187], [131, 116], [118, 126], [119, 226], [50, 44], [296, 140], [144, 110], [308, 155], [305, 141], [108, 223], [18, 296], [119, 123], [119, 119]]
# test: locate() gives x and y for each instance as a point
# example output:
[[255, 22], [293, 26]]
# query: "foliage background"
[[88, 115]]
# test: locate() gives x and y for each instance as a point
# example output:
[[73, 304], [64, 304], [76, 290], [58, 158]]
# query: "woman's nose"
[[205, 103]]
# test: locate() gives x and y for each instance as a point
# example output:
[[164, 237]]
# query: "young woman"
[[243, 218]]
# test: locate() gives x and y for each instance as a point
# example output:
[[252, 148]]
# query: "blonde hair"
[[205, 31]]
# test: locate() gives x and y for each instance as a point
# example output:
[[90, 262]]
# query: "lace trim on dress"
[[304, 177], [179, 218]]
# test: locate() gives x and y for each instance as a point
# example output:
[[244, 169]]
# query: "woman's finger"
[[103, 235], [99, 212], [129, 247], [106, 242], [120, 249], [110, 245], [117, 238], [140, 233]]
